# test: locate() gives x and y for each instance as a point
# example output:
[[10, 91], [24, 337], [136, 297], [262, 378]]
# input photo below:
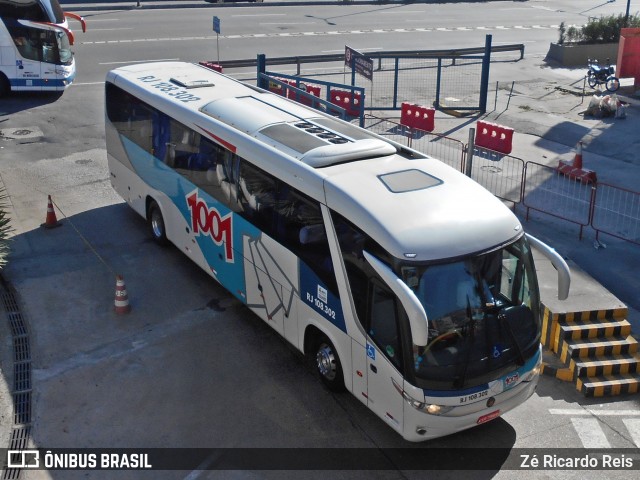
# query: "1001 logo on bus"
[[208, 221]]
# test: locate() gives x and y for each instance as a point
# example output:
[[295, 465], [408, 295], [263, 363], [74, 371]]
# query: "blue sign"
[[216, 25], [371, 351]]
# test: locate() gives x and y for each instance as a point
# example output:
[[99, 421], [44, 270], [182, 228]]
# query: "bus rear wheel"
[[156, 224], [328, 365]]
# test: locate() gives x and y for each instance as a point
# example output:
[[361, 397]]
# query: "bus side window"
[[351, 241], [300, 228], [140, 126], [256, 192], [183, 143]]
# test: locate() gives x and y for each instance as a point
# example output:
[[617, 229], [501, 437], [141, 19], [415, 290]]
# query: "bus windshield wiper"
[[505, 324]]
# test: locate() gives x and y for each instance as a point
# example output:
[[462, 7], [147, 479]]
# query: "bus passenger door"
[[384, 356]]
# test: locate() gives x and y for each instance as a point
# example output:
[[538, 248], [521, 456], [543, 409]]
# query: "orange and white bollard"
[[122, 299], [51, 221]]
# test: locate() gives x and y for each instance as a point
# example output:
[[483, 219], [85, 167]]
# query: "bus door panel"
[[383, 398], [28, 74], [359, 371], [383, 356]]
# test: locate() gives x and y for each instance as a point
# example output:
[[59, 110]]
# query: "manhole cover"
[[21, 133], [491, 169]]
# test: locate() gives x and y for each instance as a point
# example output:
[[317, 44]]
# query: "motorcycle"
[[598, 75]]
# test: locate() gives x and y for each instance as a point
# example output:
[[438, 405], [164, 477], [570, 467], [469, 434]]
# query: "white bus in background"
[[408, 283], [34, 56]]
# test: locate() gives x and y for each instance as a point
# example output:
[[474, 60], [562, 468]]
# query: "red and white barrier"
[[494, 137], [417, 116], [343, 98], [212, 66]]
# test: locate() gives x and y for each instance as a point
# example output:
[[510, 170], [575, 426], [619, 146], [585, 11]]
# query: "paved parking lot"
[[188, 367]]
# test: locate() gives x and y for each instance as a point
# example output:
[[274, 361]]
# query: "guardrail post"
[[484, 79], [470, 147], [438, 80], [262, 68], [395, 83]]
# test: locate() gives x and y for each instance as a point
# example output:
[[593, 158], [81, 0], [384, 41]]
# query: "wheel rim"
[[613, 84], [157, 226], [326, 361]]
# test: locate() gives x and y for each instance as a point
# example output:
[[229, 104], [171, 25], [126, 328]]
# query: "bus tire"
[[156, 224], [5, 86], [328, 364]]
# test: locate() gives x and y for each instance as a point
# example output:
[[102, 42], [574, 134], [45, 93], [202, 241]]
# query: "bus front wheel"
[[5, 86], [156, 224], [328, 365]]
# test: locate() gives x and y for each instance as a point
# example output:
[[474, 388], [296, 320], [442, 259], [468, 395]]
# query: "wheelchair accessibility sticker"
[[371, 351]]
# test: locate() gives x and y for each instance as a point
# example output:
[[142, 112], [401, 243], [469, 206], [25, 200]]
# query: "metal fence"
[[448, 79], [502, 175], [616, 212], [548, 191], [444, 82]]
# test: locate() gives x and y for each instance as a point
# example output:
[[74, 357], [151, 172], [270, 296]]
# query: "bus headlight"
[[430, 408]]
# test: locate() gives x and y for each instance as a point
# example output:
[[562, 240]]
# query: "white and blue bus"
[[410, 285], [34, 56]]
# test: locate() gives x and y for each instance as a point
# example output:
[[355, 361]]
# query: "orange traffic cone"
[[51, 220], [122, 299], [577, 160]]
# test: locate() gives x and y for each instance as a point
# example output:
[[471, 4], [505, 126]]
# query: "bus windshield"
[[64, 48], [483, 316], [40, 43]]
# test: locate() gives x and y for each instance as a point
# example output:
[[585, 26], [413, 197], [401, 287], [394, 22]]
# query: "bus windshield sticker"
[[208, 221]]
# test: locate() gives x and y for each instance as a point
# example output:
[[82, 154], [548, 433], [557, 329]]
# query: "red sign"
[[488, 417], [208, 221]]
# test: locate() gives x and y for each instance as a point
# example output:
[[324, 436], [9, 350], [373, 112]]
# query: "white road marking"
[[314, 33], [288, 23], [110, 29], [590, 433], [261, 15], [593, 412]]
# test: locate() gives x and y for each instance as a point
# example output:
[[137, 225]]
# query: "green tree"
[[605, 29]]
